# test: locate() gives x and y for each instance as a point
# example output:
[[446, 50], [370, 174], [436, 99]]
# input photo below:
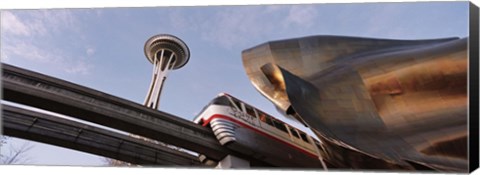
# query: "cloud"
[[274, 8], [45, 37], [179, 21], [28, 51], [236, 26], [301, 16], [55, 58], [230, 27], [4, 57], [10, 24], [79, 68], [90, 51]]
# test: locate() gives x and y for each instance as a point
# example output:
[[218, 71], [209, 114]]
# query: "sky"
[[102, 48]]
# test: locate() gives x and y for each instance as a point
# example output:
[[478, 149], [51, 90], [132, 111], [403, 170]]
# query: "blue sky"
[[102, 48]]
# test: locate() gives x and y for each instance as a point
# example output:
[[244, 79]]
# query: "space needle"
[[166, 53]]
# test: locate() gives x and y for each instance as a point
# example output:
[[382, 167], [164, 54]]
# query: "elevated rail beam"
[[45, 128], [52, 94]]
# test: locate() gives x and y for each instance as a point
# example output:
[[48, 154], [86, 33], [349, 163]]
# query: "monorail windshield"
[[220, 100]]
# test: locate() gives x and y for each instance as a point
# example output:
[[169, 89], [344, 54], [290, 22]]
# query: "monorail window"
[[294, 132], [279, 125], [222, 100], [265, 118], [303, 136], [237, 103], [250, 111]]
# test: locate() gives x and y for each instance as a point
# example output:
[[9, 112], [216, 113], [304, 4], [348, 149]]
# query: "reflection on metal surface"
[[375, 103]]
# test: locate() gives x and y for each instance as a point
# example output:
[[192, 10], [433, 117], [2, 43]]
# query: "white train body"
[[255, 134]]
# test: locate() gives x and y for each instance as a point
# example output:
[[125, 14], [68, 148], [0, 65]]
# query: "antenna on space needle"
[[166, 52]]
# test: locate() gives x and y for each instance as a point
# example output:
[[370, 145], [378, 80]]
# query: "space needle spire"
[[166, 53]]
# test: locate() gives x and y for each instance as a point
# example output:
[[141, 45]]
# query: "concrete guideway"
[[45, 128], [52, 94]]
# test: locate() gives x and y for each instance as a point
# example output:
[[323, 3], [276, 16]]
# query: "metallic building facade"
[[374, 103]]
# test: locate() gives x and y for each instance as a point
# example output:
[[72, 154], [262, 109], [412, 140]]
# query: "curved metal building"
[[374, 103]]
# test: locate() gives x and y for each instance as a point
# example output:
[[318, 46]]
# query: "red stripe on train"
[[205, 123]]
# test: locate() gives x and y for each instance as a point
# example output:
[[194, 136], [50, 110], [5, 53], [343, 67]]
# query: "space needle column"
[[166, 53]]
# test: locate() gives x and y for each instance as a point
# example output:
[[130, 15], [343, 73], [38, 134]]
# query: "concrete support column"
[[233, 162]]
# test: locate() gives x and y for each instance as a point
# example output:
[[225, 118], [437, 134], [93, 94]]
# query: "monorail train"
[[253, 133]]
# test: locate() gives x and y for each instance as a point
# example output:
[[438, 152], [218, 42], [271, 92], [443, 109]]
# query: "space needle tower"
[[166, 53]]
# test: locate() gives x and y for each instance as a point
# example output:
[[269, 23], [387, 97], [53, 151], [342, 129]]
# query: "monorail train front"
[[256, 136]]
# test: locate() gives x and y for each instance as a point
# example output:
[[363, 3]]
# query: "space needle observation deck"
[[166, 52]]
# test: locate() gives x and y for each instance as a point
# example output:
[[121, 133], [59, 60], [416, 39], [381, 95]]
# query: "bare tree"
[[113, 162], [14, 154]]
